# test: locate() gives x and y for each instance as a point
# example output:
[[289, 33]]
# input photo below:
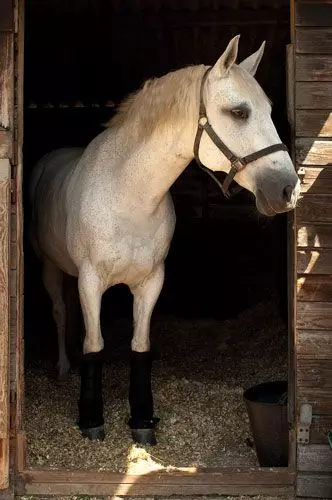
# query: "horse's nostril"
[[287, 193]]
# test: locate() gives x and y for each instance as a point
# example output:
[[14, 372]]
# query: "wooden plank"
[[13, 224], [314, 457], [290, 84], [314, 288], [314, 373], [6, 79], [18, 452], [316, 180], [314, 209], [313, 123], [4, 463], [13, 309], [13, 256], [314, 236], [6, 15], [16, 334], [189, 475], [12, 282], [313, 13], [4, 295], [320, 427], [317, 261], [228, 482], [314, 486], [314, 344], [4, 320], [314, 40], [321, 401], [314, 316], [313, 151], [314, 384], [60, 490], [6, 140], [313, 95], [317, 68]]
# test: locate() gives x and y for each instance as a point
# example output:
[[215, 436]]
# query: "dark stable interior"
[[82, 58]]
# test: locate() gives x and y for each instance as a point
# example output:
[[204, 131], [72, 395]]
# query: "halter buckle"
[[238, 164]]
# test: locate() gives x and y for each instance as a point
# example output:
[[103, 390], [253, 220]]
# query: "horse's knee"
[[93, 345]]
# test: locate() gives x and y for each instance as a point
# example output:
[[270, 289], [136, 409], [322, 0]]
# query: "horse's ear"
[[227, 59], [252, 62]]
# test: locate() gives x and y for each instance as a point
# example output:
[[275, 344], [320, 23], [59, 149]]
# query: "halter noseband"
[[237, 163]]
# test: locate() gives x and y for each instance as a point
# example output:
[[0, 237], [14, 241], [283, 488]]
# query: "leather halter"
[[237, 163]]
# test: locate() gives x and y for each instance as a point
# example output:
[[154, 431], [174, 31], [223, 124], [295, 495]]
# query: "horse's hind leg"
[[53, 279], [142, 421]]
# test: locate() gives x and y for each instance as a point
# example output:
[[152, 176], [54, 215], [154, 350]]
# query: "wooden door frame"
[[225, 481], [6, 163]]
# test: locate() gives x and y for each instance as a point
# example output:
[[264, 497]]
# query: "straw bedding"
[[200, 372]]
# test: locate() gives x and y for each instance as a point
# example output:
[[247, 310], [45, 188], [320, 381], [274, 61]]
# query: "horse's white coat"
[[105, 214]]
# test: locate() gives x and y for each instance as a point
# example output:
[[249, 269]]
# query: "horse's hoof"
[[63, 370], [94, 433], [144, 436], [62, 378]]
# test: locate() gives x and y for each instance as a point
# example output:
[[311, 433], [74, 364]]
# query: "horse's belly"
[[60, 256], [63, 260]]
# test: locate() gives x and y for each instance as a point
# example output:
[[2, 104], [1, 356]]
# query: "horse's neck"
[[145, 163], [149, 170]]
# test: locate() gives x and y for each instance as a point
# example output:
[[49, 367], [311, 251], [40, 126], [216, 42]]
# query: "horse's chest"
[[131, 257]]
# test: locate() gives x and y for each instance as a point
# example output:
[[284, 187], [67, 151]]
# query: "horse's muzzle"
[[277, 199]]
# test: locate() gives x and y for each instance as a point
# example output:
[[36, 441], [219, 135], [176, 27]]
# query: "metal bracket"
[[301, 174], [303, 426]]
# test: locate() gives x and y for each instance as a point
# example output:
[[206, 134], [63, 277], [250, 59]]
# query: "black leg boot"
[[91, 420], [142, 421]]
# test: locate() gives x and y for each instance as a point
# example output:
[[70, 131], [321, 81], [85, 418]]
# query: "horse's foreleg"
[[53, 279], [91, 420], [142, 421]]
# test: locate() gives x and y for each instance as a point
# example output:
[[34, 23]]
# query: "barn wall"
[[313, 129]]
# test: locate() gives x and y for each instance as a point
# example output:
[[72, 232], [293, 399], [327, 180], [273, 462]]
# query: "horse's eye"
[[243, 114]]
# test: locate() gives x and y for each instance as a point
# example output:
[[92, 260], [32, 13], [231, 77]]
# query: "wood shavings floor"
[[201, 370]]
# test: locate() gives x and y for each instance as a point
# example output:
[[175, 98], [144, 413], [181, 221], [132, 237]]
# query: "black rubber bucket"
[[267, 409]]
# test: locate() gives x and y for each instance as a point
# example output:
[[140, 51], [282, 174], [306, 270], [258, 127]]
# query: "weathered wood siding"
[[6, 150], [313, 152]]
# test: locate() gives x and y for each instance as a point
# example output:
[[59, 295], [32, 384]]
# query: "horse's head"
[[240, 114]]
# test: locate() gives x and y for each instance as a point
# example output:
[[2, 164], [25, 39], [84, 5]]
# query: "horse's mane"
[[160, 101]]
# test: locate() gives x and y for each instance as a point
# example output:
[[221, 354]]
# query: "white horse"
[[105, 215]]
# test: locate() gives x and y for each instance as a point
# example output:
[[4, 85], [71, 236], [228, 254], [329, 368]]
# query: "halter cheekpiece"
[[237, 163]]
